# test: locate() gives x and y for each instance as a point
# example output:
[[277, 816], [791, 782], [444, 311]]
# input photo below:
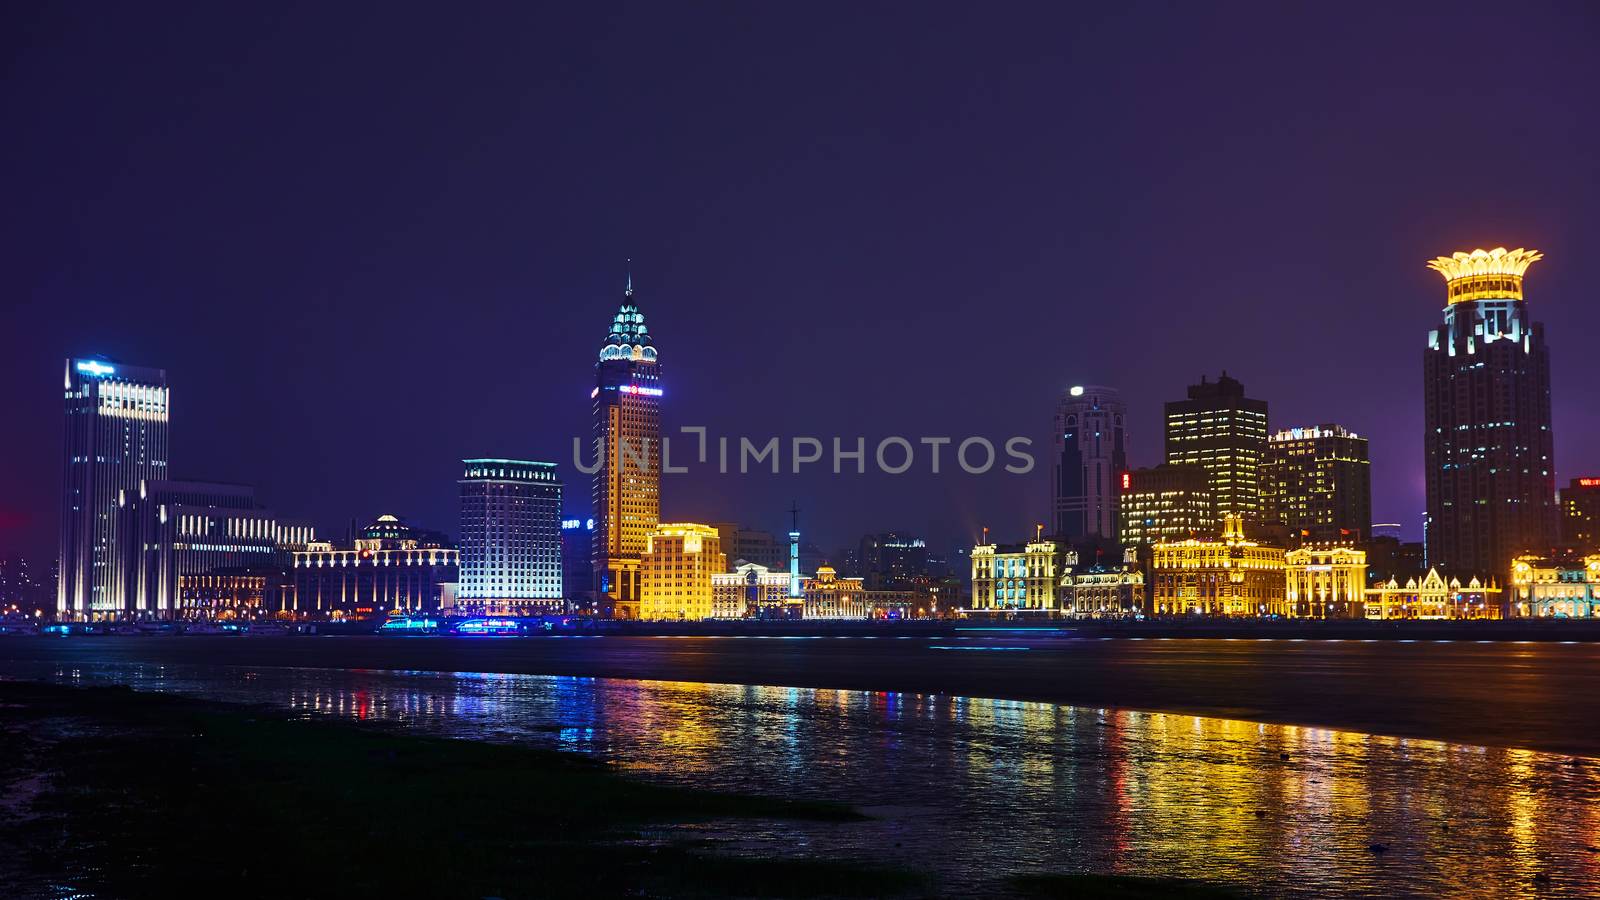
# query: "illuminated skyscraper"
[[1090, 458], [627, 444], [1221, 430], [1317, 483], [510, 537], [1489, 451], [116, 439]]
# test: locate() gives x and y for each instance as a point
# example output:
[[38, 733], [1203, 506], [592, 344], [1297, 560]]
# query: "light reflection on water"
[[979, 789]]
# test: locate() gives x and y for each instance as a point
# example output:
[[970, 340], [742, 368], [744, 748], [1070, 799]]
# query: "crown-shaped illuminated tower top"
[[629, 338], [1485, 274]]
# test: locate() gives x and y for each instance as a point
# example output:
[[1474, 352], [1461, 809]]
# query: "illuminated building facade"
[[676, 568], [1580, 514], [1166, 503], [389, 567], [1434, 597], [116, 440], [1224, 432], [175, 531], [752, 591], [1325, 582], [627, 445], [1317, 483], [225, 595], [510, 537], [1019, 578], [1228, 577], [1090, 457], [828, 595], [1543, 588], [1102, 592], [1490, 459]]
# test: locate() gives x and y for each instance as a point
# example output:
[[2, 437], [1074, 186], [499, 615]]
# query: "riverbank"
[[118, 793], [109, 792]]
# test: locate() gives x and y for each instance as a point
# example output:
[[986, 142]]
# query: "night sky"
[[367, 241]]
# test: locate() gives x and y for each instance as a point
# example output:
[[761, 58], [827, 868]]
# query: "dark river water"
[[979, 789]]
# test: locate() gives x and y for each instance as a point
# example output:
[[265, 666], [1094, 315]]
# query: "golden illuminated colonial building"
[[750, 591], [1018, 578], [1102, 592], [1434, 598], [1542, 588], [676, 568], [1227, 577], [627, 446], [1326, 582]]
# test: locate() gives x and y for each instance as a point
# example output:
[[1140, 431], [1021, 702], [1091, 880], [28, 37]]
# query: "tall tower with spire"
[[1490, 451], [627, 436]]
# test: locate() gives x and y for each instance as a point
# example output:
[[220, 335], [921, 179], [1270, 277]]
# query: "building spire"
[[629, 291]]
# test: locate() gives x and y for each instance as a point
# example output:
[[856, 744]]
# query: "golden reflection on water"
[[982, 788]]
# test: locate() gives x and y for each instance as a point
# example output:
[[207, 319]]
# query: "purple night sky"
[[366, 242]]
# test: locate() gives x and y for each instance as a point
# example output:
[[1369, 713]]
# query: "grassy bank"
[[132, 795]]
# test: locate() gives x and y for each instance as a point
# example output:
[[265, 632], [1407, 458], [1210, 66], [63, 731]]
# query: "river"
[[978, 788]]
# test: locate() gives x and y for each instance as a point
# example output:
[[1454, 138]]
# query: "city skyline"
[[729, 450], [1044, 452], [371, 312]]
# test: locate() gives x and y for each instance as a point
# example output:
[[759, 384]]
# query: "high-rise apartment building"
[[1224, 432], [627, 445], [676, 571], [1317, 483], [1580, 514], [1166, 503], [116, 439], [1090, 457], [510, 537], [1490, 458]]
